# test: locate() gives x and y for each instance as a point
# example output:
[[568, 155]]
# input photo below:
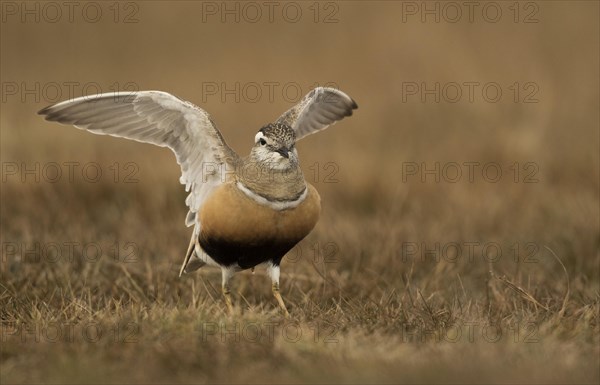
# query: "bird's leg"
[[226, 276], [279, 299], [227, 295], [273, 271]]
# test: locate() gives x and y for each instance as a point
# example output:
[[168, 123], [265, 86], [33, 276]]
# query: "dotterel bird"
[[245, 211]]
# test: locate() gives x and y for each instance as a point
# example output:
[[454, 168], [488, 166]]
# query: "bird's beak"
[[284, 152]]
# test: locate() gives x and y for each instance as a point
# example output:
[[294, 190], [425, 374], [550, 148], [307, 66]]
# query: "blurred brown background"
[[367, 51], [543, 56]]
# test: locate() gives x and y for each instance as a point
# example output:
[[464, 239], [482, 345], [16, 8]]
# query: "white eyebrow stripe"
[[258, 135]]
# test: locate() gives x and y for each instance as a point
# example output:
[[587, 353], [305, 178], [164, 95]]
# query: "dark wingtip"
[[353, 106], [46, 111]]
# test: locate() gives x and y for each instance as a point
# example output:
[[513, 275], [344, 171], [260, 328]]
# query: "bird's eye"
[[262, 142]]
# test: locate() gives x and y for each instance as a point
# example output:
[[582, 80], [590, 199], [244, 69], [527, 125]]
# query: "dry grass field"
[[459, 240]]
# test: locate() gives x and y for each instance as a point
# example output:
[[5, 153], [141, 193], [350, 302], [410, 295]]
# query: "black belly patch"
[[227, 253]]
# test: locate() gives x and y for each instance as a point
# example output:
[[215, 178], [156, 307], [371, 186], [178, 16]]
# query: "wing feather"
[[319, 109], [161, 119]]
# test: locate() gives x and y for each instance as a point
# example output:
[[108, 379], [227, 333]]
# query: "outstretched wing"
[[319, 109], [161, 119]]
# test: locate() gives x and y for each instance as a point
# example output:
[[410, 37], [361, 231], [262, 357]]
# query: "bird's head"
[[275, 144]]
